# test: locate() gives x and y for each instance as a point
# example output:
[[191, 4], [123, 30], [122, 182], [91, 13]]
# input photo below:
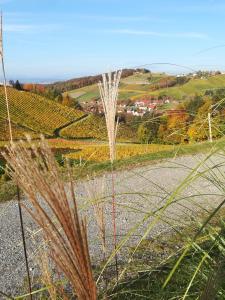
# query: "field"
[[35, 113], [137, 86], [100, 153], [131, 86], [194, 86]]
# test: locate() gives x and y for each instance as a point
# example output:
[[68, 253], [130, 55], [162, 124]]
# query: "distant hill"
[[54, 89], [141, 85], [76, 83], [134, 86]]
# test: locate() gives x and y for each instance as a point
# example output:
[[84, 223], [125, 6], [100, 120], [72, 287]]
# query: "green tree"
[[147, 131], [17, 85], [193, 105]]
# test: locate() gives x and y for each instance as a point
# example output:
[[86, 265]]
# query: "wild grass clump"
[[55, 210]]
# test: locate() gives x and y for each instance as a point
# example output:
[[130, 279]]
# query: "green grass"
[[149, 285], [143, 78], [194, 86]]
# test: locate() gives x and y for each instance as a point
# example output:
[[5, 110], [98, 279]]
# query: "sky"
[[48, 40]]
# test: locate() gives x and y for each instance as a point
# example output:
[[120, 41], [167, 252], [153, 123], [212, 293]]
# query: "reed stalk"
[[108, 89]]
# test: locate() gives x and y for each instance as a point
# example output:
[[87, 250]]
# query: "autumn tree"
[[193, 105], [147, 130], [67, 101], [199, 129]]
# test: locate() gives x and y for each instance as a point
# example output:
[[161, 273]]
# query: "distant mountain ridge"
[[59, 87]]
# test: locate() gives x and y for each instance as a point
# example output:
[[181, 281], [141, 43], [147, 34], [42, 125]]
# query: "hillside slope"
[[139, 85], [35, 113], [94, 127], [131, 86]]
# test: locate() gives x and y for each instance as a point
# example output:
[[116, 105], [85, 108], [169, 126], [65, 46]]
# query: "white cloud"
[[16, 27], [195, 35], [30, 28]]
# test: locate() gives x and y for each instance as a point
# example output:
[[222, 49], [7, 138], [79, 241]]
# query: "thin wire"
[[11, 139]]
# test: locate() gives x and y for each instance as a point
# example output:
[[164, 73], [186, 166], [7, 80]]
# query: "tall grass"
[[37, 174]]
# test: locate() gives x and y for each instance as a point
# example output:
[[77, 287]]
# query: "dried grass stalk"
[[108, 89], [37, 174], [46, 274]]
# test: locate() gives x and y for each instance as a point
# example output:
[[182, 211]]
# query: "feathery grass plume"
[[108, 90], [36, 172]]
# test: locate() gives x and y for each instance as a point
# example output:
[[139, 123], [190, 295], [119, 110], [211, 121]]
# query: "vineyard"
[[36, 112], [100, 153], [18, 131], [94, 127]]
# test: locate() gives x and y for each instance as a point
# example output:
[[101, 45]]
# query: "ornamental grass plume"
[[108, 89], [36, 172]]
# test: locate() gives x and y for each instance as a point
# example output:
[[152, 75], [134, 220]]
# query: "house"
[[151, 107]]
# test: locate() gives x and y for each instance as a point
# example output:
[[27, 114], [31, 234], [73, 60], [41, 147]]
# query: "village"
[[137, 108]]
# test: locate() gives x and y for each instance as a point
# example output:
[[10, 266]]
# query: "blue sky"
[[58, 39]]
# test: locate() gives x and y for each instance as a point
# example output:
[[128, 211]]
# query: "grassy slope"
[[36, 112], [136, 86], [194, 86]]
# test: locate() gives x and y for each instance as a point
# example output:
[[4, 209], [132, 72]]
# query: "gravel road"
[[139, 191]]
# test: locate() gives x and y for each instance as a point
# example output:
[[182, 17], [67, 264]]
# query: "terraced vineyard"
[[94, 127], [35, 112]]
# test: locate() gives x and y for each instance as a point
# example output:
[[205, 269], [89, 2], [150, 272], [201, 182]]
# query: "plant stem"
[[24, 241], [11, 140]]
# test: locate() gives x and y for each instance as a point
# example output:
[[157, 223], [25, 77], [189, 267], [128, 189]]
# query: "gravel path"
[[139, 192]]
